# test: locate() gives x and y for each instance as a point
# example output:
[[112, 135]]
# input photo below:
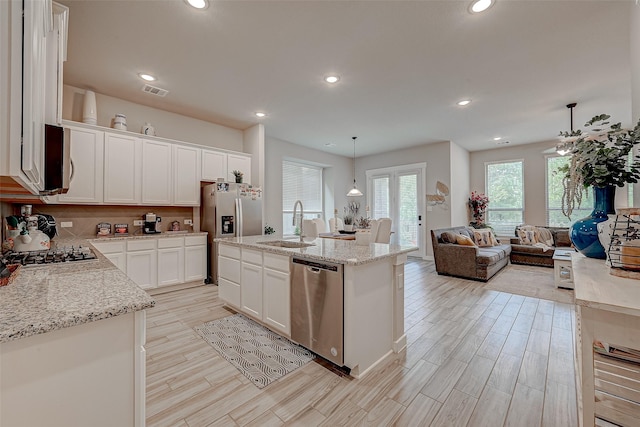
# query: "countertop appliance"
[[317, 307], [151, 222], [228, 210], [58, 255]]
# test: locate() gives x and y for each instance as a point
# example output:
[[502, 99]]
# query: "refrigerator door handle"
[[239, 216]]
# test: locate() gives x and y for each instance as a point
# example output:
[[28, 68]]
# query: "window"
[[505, 189], [381, 197], [555, 217], [300, 182]]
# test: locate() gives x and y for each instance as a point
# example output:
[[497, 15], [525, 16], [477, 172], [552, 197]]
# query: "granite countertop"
[[47, 298], [348, 252], [164, 234]]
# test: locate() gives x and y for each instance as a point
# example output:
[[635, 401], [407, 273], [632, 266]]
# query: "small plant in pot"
[[238, 175], [348, 222]]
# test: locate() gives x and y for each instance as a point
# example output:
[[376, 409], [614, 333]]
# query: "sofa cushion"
[[485, 238], [561, 238], [464, 240], [527, 237], [448, 237], [489, 255], [529, 249]]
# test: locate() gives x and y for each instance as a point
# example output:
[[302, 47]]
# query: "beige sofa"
[[470, 262], [533, 255]]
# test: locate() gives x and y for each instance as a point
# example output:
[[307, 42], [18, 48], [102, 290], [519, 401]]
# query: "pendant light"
[[354, 192], [565, 147]]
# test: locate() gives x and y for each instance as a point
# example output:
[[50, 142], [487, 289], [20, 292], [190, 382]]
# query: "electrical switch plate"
[[66, 224], [138, 222], [188, 222]]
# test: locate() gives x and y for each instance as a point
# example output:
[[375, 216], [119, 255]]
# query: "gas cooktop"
[[50, 256]]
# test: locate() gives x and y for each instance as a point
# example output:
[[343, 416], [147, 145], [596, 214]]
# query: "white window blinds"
[[300, 182]]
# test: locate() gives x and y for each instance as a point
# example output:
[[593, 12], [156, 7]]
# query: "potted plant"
[[599, 159], [238, 175], [347, 220]]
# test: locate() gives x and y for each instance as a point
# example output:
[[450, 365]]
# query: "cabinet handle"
[[72, 169]]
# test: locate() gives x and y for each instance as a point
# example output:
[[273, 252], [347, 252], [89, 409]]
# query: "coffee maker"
[[151, 222]]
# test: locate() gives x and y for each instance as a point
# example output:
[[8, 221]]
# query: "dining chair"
[[339, 225], [384, 230], [320, 225], [309, 228]]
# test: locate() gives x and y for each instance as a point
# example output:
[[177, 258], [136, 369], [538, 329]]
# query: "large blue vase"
[[584, 232]]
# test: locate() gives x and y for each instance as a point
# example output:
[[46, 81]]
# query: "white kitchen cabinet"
[[122, 169], [229, 273], [170, 261], [214, 165], [142, 262], [239, 162], [157, 172], [251, 283], [87, 166], [186, 175], [276, 293], [195, 258], [114, 251]]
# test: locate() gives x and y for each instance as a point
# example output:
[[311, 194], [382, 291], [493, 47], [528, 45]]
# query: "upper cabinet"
[[122, 169], [214, 165], [240, 163], [87, 166], [33, 39], [186, 176], [157, 173]]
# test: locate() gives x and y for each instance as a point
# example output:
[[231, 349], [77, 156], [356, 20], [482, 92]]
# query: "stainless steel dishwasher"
[[317, 314]]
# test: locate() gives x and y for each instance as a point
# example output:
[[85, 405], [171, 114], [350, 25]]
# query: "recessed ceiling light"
[[330, 144], [260, 114], [478, 6], [147, 77], [198, 4], [464, 102], [497, 138], [332, 78]]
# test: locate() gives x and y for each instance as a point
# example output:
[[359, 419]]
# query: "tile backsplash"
[[86, 218]]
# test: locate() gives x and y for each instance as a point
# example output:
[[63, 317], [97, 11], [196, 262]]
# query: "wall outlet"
[[66, 224], [138, 222], [188, 222]]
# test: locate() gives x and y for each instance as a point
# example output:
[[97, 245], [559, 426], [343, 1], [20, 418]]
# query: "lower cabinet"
[[257, 283], [155, 262]]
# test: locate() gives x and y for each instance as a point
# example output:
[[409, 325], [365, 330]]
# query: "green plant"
[[347, 219], [599, 158], [237, 173], [269, 230]]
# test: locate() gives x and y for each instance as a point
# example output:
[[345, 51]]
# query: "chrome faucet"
[[295, 209]]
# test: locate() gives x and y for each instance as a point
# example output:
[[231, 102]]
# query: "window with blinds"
[[505, 189], [300, 182]]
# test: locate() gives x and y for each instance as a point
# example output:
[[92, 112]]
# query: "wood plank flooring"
[[475, 357]]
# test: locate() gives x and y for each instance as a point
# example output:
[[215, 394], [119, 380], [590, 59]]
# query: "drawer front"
[[252, 256], [141, 245], [195, 240], [170, 242], [229, 251], [276, 262], [109, 247], [229, 269]]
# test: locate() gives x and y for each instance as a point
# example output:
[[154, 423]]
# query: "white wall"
[[167, 125], [459, 185], [254, 144], [338, 177]]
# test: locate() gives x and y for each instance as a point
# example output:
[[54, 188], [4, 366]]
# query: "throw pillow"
[[485, 238], [544, 236], [464, 240], [527, 237], [448, 237]]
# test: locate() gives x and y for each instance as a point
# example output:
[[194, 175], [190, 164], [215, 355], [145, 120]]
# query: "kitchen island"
[[72, 345], [255, 279]]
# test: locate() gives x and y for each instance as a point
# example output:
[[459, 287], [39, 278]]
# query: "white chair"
[[384, 230], [373, 230], [320, 225], [309, 228], [339, 225]]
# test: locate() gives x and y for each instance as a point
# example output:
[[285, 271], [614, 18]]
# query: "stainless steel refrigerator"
[[228, 210]]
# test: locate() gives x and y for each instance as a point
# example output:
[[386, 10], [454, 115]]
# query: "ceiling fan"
[[562, 148]]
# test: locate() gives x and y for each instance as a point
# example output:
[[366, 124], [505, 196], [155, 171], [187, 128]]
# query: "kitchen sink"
[[286, 244]]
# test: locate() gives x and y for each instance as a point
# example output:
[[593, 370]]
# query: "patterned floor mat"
[[261, 355]]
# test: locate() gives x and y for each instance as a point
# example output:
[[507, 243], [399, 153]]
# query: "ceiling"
[[403, 66]]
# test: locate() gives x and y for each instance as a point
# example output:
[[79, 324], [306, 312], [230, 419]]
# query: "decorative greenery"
[[347, 219], [350, 212], [599, 158], [237, 173], [268, 230], [478, 202], [363, 222]]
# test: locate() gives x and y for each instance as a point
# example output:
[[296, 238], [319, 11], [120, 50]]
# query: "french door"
[[396, 193]]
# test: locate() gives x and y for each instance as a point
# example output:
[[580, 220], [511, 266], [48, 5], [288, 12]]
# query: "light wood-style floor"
[[475, 357]]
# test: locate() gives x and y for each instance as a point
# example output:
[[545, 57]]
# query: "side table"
[[562, 274]]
